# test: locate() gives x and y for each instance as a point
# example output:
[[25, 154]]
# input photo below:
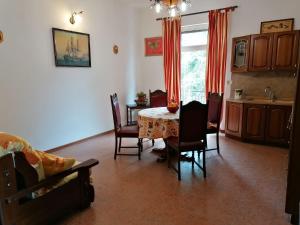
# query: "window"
[[193, 65]]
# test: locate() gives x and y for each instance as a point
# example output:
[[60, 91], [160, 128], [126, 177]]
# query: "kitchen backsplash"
[[254, 84]]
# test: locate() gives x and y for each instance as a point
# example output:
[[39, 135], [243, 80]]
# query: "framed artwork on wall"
[[277, 26], [153, 46], [71, 49]]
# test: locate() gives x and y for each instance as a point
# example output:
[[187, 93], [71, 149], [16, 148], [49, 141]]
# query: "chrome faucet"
[[270, 94]]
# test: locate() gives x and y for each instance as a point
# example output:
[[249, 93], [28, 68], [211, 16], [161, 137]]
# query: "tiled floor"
[[244, 186]]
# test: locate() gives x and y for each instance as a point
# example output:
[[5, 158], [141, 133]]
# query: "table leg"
[[130, 116], [162, 152]]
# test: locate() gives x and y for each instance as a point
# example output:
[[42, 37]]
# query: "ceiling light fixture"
[[173, 7], [76, 17]]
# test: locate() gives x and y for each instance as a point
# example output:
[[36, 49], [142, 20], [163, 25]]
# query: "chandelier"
[[173, 7]]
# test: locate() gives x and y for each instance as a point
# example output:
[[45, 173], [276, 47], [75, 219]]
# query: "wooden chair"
[[215, 102], [158, 98], [192, 133], [19, 180], [123, 131]]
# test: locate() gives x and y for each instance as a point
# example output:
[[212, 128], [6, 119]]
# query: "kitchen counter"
[[261, 101]]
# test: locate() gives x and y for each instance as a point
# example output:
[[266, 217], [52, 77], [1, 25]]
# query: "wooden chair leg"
[[204, 163], [179, 167], [120, 144], [139, 148], [116, 148], [153, 142], [205, 141], [193, 159], [141, 142], [218, 142], [295, 219]]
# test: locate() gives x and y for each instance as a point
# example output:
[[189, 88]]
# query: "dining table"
[[155, 123]]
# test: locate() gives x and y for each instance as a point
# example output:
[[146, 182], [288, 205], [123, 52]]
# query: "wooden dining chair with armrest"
[[158, 98], [192, 133], [123, 131], [215, 102]]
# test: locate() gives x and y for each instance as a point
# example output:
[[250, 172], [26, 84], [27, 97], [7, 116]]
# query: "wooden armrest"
[[51, 180]]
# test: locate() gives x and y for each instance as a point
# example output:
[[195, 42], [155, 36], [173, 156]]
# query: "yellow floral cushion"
[[11, 143], [44, 163], [54, 164]]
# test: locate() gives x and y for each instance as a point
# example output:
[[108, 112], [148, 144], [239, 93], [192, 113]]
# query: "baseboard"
[[79, 141]]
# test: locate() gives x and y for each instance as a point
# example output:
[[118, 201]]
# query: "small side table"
[[132, 107]]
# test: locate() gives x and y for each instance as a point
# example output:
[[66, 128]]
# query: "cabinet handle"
[[296, 65]]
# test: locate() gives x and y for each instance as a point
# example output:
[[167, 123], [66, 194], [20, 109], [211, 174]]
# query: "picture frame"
[[153, 46], [283, 25], [71, 49]]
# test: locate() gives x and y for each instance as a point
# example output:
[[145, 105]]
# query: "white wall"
[[245, 20], [52, 106]]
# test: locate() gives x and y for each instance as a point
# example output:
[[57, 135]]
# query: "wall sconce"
[[75, 17], [1, 36]]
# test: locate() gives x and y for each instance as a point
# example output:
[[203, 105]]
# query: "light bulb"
[[157, 7], [78, 18], [183, 6], [172, 12]]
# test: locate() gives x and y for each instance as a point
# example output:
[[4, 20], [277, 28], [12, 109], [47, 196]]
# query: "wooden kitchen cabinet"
[[234, 115], [254, 119], [260, 123], [285, 51], [261, 52], [266, 52], [277, 123], [240, 54]]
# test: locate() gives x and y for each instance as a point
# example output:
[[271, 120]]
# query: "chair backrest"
[[215, 102], [116, 111], [158, 98], [192, 121]]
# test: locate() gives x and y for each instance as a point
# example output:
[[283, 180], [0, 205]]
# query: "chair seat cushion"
[[128, 131], [185, 146]]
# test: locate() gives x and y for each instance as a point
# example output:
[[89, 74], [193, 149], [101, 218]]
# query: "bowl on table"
[[172, 109]]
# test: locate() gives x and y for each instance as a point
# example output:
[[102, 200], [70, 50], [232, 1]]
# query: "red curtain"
[[172, 54], [217, 51]]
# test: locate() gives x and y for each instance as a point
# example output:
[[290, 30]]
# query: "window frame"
[[194, 47]]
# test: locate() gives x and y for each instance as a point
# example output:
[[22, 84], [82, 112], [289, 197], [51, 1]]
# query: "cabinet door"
[[261, 52], [285, 51], [234, 114], [240, 54], [276, 124], [254, 122]]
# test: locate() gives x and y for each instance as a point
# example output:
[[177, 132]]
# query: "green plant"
[[141, 94]]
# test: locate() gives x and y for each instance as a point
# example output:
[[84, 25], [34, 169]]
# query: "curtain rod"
[[207, 11]]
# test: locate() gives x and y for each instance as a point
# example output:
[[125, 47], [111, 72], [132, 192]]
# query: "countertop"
[[262, 101]]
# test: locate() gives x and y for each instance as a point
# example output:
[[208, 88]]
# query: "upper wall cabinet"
[[261, 52], [266, 52], [285, 51], [240, 54]]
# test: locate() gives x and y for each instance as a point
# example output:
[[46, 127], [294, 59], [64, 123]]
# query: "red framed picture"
[[153, 46]]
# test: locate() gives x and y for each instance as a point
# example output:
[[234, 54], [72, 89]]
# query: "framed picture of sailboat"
[[71, 49]]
